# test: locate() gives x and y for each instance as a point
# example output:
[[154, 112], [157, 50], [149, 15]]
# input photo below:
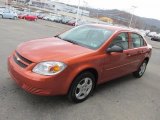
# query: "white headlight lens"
[[49, 68]]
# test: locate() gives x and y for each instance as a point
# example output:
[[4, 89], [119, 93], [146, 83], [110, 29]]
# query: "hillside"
[[122, 17], [153, 22]]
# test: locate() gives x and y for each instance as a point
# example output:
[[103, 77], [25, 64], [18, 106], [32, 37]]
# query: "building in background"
[[52, 5], [8, 2], [106, 19]]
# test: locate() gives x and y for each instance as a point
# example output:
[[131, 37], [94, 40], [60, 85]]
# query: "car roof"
[[113, 28]]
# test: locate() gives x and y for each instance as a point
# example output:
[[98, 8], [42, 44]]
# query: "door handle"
[[140, 52], [128, 54]]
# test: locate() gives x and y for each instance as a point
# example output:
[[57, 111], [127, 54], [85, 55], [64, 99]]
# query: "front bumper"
[[35, 83]]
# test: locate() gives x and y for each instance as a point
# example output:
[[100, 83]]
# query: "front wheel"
[[15, 18], [82, 87], [139, 73], [1, 16], [35, 19]]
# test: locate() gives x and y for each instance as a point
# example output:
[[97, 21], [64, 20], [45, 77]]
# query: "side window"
[[137, 40], [121, 40], [142, 41], [6, 11]]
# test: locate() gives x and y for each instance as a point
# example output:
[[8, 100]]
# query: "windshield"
[[87, 36]]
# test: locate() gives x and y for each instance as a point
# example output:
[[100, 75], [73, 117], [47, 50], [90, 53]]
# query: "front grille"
[[20, 60], [24, 59]]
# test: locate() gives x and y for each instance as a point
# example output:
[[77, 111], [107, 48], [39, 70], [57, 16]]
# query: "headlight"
[[49, 68]]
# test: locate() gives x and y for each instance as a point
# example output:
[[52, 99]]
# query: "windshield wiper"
[[58, 36], [71, 41]]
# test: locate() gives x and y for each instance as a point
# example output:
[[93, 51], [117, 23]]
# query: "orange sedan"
[[74, 62]]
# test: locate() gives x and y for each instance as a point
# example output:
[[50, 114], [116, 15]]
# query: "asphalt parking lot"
[[125, 98]]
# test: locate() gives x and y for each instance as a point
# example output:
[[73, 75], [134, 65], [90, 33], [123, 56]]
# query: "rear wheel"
[[139, 73], [82, 87]]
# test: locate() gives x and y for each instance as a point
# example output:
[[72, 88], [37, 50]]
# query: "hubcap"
[[142, 69], [84, 87]]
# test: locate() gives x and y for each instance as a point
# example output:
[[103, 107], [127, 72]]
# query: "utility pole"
[[97, 16], [134, 7], [77, 15], [6, 2]]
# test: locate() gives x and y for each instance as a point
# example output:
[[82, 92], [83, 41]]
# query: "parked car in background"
[[46, 17], [30, 17], [79, 22], [41, 16], [2, 8], [49, 17], [58, 19], [142, 32], [8, 14], [21, 16], [74, 62], [72, 22], [52, 18], [156, 37], [151, 34], [65, 20]]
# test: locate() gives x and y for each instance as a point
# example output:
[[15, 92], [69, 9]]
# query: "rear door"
[[137, 50]]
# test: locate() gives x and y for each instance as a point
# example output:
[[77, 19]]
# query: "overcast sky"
[[149, 9]]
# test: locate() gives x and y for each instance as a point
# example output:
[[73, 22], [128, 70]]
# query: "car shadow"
[[50, 102], [57, 100], [114, 83]]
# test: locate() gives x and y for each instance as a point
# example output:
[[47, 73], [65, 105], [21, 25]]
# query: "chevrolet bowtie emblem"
[[18, 59]]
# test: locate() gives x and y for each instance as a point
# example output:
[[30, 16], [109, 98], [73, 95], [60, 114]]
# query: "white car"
[[8, 14], [46, 17], [52, 18], [49, 18], [156, 37], [152, 34]]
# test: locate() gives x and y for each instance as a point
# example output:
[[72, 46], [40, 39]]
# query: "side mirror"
[[115, 48]]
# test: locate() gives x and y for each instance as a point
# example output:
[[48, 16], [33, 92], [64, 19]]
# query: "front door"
[[117, 64], [6, 14]]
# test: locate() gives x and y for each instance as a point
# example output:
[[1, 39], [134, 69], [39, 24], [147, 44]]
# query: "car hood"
[[50, 49]]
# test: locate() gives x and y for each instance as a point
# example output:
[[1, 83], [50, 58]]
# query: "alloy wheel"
[[142, 69], [84, 87]]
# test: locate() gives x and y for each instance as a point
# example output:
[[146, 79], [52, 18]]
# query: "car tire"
[[82, 87], [141, 70], [15, 18], [1, 16]]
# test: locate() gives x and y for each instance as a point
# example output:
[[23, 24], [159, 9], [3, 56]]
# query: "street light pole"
[[98, 16], [6, 2], [134, 7], [77, 13]]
